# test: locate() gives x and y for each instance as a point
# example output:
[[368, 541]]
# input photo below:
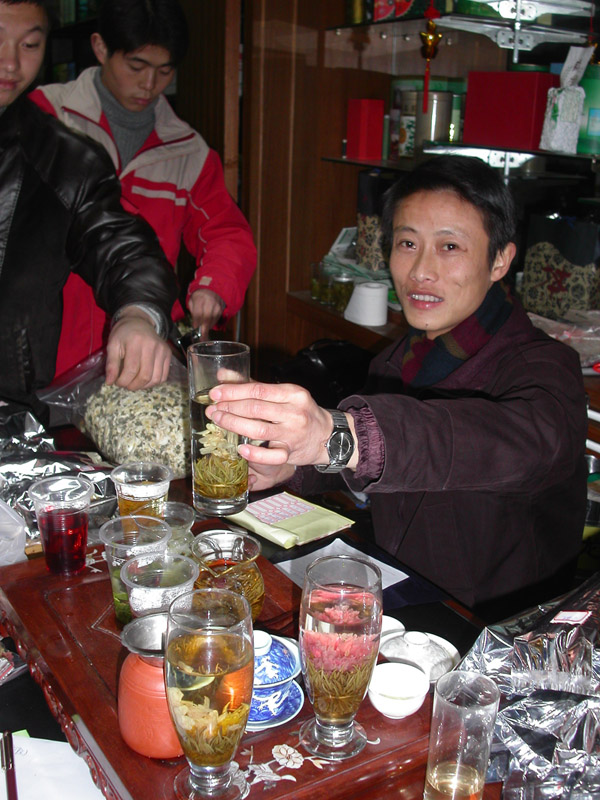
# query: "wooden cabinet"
[[299, 73]]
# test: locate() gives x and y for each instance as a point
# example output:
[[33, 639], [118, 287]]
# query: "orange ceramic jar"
[[144, 718]]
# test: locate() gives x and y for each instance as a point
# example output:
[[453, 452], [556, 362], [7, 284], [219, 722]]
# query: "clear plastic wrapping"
[[546, 662]]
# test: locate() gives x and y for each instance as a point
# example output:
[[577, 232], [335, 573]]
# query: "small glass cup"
[[179, 517], [142, 487], [228, 561], [124, 537], [326, 277], [154, 580], [219, 473], [61, 506], [464, 711]]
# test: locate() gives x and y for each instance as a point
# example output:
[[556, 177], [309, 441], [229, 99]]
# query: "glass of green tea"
[[340, 626], [219, 473], [209, 672]]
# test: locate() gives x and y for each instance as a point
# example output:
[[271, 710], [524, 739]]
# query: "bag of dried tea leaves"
[[144, 425]]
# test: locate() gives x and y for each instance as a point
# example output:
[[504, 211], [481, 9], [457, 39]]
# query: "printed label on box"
[[593, 127], [572, 617], [277, 508]]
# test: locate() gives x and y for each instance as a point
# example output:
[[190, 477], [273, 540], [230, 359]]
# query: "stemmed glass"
[[209, 671], [340, 626]]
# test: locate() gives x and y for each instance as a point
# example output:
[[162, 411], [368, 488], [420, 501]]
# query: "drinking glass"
[[219, 474], [142, 487], [124, 537], [209, 671], [227, 560], [462, 724], [61, 506], [340, 626]]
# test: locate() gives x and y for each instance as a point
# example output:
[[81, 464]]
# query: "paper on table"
[[296, 567], [51, 770], [287, 520]]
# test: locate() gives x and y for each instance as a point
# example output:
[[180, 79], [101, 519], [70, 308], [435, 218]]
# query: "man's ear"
[[503, 261], [99, 47]]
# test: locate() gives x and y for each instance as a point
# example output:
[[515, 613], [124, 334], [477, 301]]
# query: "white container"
[[12, 536], [368, 304], [398, 690]]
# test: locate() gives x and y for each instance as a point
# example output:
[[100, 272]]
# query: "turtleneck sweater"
[[130, 129]]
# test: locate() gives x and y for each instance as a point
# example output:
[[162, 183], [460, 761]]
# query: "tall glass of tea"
[[219, 473], [61, 505], [209, 671], [340, 626]]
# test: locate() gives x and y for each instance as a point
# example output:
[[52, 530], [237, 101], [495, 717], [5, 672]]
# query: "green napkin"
[[288, 520]]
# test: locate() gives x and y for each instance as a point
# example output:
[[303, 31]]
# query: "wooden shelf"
[[309, 320]]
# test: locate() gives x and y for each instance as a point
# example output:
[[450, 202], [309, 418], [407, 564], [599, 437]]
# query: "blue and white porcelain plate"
[[290, 708]]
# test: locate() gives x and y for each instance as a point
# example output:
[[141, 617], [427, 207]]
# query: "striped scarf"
[[427, 362]]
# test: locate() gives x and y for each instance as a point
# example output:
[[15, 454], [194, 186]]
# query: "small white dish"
[[291, 708], [391, 624], [398, 690]]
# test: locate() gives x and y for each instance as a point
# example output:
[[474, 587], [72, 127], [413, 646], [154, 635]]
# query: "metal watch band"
[[340, 429]]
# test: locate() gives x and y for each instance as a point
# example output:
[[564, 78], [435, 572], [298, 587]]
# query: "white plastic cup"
[[368, 304]]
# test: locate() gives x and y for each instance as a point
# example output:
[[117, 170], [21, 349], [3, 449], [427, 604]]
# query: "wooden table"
[[66, 630]]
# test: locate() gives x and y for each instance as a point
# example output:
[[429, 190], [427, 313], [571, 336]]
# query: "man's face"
[[135, 79], [439, 260], [23, 32]]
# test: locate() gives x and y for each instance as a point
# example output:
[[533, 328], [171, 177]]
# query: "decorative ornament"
[[430, 39]]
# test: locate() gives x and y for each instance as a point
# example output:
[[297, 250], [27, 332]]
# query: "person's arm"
[[120, 257], [217, 234]]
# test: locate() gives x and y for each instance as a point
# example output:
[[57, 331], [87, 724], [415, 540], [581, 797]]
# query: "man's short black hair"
[[49, 6], [473, 180], [127, 25]]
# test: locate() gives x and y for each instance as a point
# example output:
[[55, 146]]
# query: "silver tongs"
[[7, 757]]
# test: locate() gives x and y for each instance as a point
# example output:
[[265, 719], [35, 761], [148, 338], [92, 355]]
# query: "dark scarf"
[[426, 362]]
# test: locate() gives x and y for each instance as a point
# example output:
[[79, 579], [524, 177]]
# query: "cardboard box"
[[408, 9], [364, 133], [506, 109]]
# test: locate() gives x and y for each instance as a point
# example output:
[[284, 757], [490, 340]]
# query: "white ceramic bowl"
[[398, 690]]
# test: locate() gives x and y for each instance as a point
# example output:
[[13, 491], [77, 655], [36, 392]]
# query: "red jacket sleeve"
[[219, 237]]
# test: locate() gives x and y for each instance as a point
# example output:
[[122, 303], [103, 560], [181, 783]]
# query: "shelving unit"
[[303, 66], [69, 51]]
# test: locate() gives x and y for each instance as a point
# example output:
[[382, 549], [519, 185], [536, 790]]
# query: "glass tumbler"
[[219, 474], [462, 724]]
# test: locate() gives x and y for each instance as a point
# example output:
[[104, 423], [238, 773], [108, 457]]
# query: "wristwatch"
[[340, 444]]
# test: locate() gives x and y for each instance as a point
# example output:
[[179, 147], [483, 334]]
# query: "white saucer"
[[293, 703]]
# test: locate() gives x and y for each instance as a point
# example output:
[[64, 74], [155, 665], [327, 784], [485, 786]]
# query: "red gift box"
[[506, 109], [364, 133]]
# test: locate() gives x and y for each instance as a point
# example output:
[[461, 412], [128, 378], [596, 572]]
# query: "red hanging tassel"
[[431, 39]]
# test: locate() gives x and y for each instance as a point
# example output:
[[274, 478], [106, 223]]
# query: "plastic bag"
[[12, 536], [143, 425]]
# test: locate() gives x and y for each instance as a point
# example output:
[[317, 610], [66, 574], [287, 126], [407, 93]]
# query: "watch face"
[[340, 447]]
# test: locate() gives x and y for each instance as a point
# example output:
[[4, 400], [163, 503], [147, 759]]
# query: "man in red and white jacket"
[[169, 175]]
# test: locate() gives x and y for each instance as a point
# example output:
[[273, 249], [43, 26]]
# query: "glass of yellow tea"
[[340, 626], [142, 488], [219, 474], [227, 560], [123, 538], [209, 672]]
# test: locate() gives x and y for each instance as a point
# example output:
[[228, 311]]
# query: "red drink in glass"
[[64, 539]]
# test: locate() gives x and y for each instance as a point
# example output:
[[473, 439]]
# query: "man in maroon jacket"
[[469, 438]]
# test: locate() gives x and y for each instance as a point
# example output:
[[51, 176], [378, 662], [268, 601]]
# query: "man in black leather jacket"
[[60, 211]]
